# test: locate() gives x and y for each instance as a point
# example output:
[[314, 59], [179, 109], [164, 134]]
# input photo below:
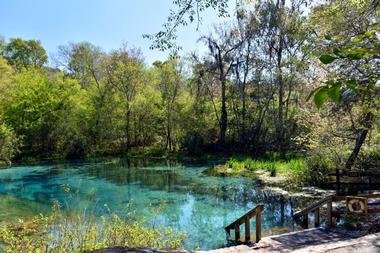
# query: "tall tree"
[[170, 87], [354, 54], [125, 72], [220, 61], [24, 53]]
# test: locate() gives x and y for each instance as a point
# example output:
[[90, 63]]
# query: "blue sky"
[[105, 23]]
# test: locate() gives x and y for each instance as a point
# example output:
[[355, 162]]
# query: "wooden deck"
[[310, 240]]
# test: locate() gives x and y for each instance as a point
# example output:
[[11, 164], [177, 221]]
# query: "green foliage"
[[248, 92], [294, 168], [24, 53], [318, 168], [39, 106], [326, 59], [350, 222], [369, 159], [59, 232], [9, 144], [362, 46], [331, 90]]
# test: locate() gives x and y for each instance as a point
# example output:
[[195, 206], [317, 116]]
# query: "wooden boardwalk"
[[310, 240], [315, 240]]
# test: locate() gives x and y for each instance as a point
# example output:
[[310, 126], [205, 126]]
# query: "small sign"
[[357, 205]]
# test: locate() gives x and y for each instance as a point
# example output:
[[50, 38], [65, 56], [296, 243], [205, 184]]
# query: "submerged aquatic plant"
[[84, 231]]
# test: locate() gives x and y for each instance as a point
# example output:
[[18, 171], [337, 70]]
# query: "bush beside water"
[[82, 231]]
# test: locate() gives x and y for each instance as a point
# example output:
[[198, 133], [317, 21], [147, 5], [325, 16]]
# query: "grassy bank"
[[290, 172]]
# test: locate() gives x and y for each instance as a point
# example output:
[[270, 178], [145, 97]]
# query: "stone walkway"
[[311, 240]]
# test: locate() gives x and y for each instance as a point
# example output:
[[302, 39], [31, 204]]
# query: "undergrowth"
[[60, 232]]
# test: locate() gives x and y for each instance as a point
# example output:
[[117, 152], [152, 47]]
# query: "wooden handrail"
[[313, 206], [246, 220], [330, 213], [368, 196]]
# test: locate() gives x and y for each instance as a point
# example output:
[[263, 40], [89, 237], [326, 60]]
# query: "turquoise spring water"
[[190, 201]]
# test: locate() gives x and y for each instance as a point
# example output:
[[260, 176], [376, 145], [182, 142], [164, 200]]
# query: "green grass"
[[294, 167]]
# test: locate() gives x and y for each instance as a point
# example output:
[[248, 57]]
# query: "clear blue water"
[[191, 201]]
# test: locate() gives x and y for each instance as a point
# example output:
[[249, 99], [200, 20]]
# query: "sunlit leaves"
[[362, 47], [334, 92], [321, 96], [330, 90], [326, 59], [24, 53]]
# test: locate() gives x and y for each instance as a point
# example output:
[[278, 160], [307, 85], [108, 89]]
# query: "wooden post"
[[247, 230], [317, 218], [337, 175], [237, 232], [258, 225], [305, 221], [329, 213], [228, 233]]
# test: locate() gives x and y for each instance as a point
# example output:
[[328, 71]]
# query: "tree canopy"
[[286, 77]]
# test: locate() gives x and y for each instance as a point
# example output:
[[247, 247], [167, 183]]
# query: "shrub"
[[9, 144], [368, 160], [60, 232], [318, 168]]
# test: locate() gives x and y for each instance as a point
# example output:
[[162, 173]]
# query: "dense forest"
[[284, 78]]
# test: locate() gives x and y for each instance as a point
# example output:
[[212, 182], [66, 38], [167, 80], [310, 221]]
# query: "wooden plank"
[[258, 226], [317, 218], [354, 183], [354, 174], [374, 210], [369, 196], [338, 213], [247, 230], [237, 232]]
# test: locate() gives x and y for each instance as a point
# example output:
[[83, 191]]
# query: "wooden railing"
[[336, 213], [330, 212], [255, 212], [316, 209], [372, 179]]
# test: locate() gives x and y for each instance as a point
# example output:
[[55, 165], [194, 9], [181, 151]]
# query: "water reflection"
[[193, 202]]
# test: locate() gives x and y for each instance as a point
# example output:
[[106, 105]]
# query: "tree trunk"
[[281, 91], [223, 118], [127, 128], [243, 132], [280, 123], [362, 135], [168, 131]]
